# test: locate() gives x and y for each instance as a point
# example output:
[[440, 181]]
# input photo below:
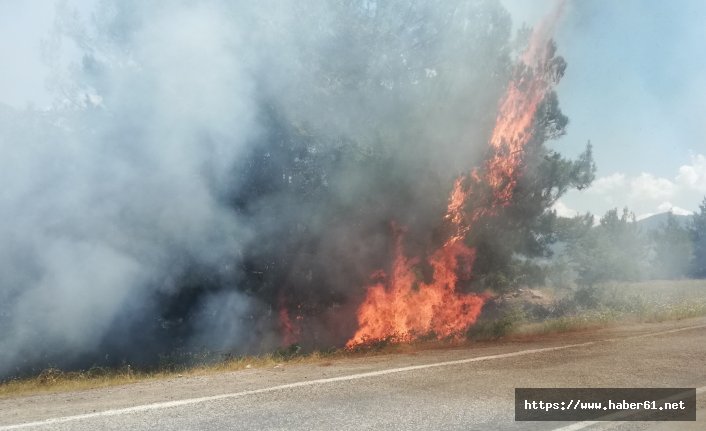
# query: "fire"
[[400, 306], [290, 330]]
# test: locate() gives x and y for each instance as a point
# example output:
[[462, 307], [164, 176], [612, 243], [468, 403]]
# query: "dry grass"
[[53, 380], [620, 304]]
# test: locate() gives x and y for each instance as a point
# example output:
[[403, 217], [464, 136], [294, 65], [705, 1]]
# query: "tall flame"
[[401, 307]]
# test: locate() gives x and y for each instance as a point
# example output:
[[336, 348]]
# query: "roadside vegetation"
[[543, 311], [527, 313]]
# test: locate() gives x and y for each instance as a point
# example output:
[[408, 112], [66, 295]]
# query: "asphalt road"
[[452, 389]]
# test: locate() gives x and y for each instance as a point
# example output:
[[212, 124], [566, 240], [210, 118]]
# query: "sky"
[[635, 87]]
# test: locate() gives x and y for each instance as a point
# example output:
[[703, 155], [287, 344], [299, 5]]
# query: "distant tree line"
[[618, 248]]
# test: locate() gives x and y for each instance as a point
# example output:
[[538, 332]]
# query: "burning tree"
[[402, 306], [405, 137]]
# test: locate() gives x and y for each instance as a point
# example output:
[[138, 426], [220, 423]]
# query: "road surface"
[[452, 389]]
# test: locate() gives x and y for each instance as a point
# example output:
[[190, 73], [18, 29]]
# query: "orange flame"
[[402, 307]]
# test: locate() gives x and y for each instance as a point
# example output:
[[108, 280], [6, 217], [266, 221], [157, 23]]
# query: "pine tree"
[[697, 230], [672, 250]]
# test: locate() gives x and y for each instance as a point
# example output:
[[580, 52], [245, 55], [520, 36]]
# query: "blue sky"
[[635, 87]]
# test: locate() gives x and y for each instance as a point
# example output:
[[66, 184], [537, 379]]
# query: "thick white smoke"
[[104, 199], [124, 190]]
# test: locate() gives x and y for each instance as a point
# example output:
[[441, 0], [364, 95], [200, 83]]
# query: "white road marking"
[[190, 401], [607, 425]]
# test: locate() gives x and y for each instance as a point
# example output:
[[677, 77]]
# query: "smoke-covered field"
[[231, 178]]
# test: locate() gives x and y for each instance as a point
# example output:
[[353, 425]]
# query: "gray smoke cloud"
[[139, 180]]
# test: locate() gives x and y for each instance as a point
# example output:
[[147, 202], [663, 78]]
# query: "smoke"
[[206, 163]]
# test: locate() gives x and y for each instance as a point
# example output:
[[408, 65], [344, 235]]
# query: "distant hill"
[[655, 221]]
